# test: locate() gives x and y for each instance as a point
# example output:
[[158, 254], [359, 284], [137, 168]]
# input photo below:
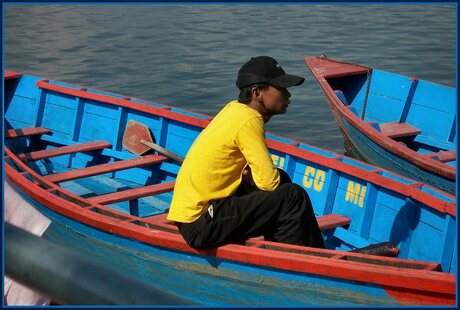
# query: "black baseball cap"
[[265, 69]]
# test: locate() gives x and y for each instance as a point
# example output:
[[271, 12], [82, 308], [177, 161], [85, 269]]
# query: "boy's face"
[[276, 100]]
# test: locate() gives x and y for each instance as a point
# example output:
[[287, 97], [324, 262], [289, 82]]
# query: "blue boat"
[[85, 158], [400, 123]]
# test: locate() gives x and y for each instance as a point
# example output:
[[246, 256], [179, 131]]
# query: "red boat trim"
[[123, 102], [393, 146], [9, 75], [336, 69], [421, 282]]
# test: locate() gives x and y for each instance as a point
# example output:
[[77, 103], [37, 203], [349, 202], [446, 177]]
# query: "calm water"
[[188, 55]]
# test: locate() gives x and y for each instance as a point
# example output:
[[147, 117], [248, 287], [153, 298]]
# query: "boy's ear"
[[255, 92]]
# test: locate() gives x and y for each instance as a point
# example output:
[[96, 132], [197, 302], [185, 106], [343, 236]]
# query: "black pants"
[[284, 215]]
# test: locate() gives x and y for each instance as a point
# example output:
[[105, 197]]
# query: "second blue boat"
[[393, 121]]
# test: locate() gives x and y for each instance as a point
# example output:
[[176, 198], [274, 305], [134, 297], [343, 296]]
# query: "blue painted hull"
[[208, 280], [91, 216]]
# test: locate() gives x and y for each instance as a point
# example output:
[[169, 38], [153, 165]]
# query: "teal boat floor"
[[104, 184]]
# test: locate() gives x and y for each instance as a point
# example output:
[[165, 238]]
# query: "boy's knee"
[[293, 190], [297, 195]]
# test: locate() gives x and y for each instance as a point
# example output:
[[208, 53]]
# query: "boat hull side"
[[210, 280], [367, 150]]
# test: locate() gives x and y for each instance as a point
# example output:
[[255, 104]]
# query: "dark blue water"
[[189, 55]]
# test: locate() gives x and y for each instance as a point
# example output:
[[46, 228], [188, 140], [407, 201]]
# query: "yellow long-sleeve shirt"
[[213, 166]]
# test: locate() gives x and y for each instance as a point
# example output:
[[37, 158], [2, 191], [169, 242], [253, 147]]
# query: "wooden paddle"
[[138, 140]]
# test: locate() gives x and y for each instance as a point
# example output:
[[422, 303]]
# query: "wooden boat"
[[390, 240], [396, 122]]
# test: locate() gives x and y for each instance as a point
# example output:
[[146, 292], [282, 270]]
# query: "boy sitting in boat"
[[228, 189]]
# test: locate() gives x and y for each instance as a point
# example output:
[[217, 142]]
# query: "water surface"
[[188, 55]]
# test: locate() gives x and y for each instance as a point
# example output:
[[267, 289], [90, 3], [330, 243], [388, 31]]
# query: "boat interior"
[[103, 177], [403, 108]]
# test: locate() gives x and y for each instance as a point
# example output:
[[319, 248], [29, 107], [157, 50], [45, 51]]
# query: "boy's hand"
[[247, 182]]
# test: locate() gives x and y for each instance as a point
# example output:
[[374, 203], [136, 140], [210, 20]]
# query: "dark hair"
[[245, 92]]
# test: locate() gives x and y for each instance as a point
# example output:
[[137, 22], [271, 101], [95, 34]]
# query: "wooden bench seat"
[[325, 222], [25, 132], [398, 130], [65, 150], [159, 220], [133, 193], [443, 156], [331, 221], [105, 168]]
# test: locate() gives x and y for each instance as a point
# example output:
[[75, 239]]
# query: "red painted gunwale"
[[323, 69], [127, 103], [9, 74], [418, 284]]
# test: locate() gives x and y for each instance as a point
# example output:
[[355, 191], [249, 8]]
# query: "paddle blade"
[[134, 133]]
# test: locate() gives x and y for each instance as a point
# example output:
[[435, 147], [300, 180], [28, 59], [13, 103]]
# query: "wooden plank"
[[443, 156], [160, 220], [330, 221], [398, 130], [25, 132], [325, 222], [134, 193], [333, 69], [105, 168], [64, 150]]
